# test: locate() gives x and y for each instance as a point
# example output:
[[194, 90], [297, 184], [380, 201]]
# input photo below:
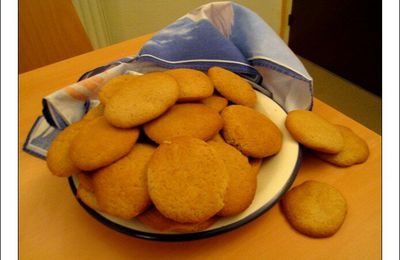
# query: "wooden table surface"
[[52, 225]]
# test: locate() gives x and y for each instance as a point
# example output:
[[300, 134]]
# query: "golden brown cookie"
[[251, 132], [154, 219], [145, 99], [255, 164], [193, 84], [87, 197], [355, 150], [121, 188], [114, 85], [85, 180], [99, 144], [233, 87], [314, 132], [187, 180], [189, 119], [217, 138], [242, 183], [94, 112], [215, 102], [58, 159], [315, 209]]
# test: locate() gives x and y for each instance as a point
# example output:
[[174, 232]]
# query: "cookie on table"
[[114, 85], [187, 180], [145, 99], [215, 102], [232, 87], [193, 84], [250, 131], [99, 144], [314, 132], [58, 158], [188, 119], [94, 112], [242, 183], [315, 209], [121, 188], [355, 150], [157, 221]]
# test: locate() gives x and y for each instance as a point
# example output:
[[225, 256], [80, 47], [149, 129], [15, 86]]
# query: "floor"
[[350, 99]]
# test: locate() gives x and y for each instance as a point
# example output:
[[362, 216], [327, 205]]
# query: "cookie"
[[87, 197], [242, 183], [189, 119], [255, 164], [58, 159], [99, 144], [187, 180], [85, 180], [314, 132], [193, 84], [215, 102], [145, 99], [355, 150], [315, 209], [217, 138], [233, 87], [94, 112], [154, 219], [251, 132], [121, 188], [114, 85]]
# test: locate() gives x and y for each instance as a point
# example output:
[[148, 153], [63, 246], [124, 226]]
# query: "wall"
[[119, 20], [40, 44]]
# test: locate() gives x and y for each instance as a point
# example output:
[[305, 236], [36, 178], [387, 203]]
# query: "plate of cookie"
[[178, 155]]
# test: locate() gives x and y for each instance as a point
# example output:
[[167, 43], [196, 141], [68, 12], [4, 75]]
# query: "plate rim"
[[179, 237]]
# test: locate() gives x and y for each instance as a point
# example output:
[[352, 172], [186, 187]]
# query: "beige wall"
[[124, 19]]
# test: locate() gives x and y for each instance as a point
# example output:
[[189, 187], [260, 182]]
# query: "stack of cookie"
[[335, 144], [176, 149]]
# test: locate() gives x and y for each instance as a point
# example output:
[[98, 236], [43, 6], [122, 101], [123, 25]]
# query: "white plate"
[[276, 175]]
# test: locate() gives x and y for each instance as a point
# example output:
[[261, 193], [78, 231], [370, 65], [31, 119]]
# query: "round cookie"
[[189, 119], [217, 138], [187, 180], [99, 144], [87, 197], [233, 87], [315, 209], [355, 150], [193, 84], [242, 183], [121, 188], [255, 164], [58, 159], [215, 102], [314, 132], [85, 180], [114, 85], [145, 99], [94, 112], [154, 219], [251, 132]]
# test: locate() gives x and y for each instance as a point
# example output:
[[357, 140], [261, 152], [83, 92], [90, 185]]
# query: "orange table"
[[52, 225]]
